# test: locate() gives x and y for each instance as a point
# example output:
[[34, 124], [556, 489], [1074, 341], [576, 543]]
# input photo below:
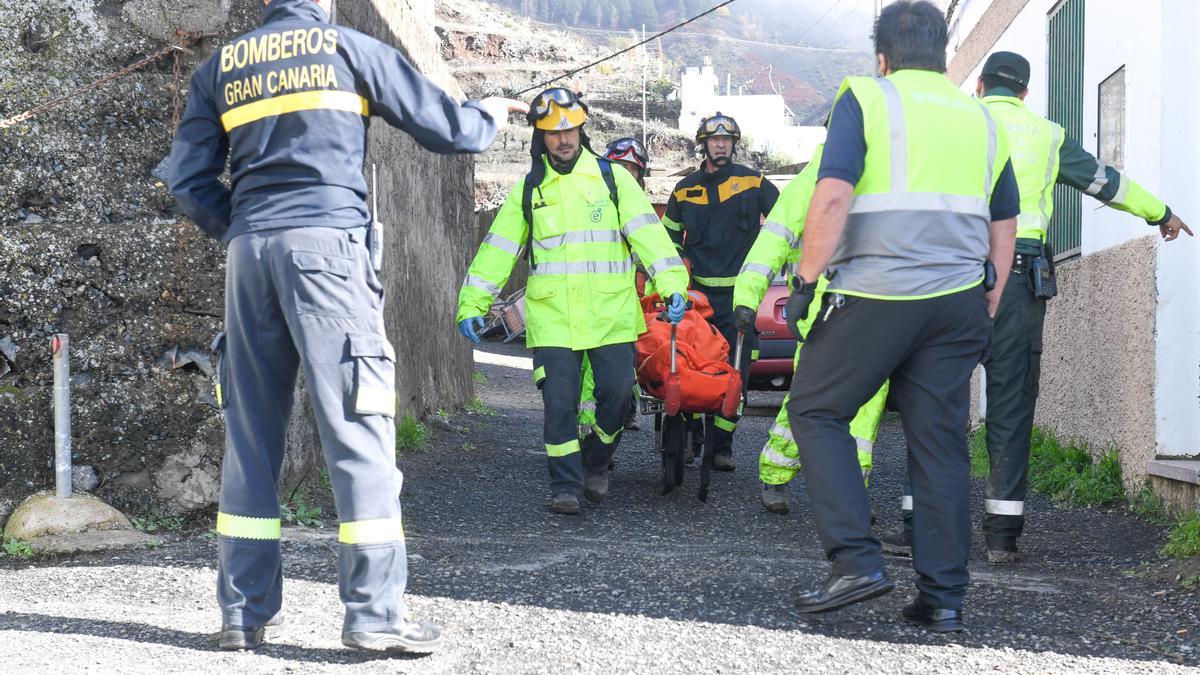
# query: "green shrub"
[[1184, 538], [1067, 474], [16, 548], [411, 434]]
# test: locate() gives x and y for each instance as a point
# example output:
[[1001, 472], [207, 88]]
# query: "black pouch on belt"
[[1041, 273]]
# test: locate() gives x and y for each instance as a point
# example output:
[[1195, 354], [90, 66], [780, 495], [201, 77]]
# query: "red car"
[[777, 347]]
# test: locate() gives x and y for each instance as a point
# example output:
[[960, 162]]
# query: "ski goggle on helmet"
[[557, 109], [718, 125], [628, 150]]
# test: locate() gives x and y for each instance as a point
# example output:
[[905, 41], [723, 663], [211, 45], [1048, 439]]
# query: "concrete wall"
[[1098, 372], [427, 204]]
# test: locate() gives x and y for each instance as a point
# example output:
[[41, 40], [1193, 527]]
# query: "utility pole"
[[645, 56]]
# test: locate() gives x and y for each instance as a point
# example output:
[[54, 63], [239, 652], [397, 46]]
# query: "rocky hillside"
[[492, 52]]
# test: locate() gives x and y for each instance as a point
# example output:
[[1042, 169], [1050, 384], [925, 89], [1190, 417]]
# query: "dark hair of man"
[[912, 36], [1002, 86]]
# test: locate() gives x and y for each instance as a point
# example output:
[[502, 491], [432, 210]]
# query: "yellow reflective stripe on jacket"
[[671, 224], [247, 527], [635, 224], [562, 449], [758, 268], [346, 101], [715, 282], [377, 531], [660, 266], [493, 239], [782, 230], [483, 285], [583, 267], [577, 237]]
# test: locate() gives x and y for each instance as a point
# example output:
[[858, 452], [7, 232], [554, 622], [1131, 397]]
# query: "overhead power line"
[[627, 49]]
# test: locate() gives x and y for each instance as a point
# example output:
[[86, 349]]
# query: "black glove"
[[802, 296], [743, 318]]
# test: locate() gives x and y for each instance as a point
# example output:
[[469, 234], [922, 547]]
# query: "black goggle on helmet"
[[628, 150], [557, 109], [718, 125]]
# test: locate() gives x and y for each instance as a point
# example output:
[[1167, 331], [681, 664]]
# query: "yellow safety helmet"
[[557, 109]]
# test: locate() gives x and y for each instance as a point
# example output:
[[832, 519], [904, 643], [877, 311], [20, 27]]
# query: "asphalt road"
[[640, 583]]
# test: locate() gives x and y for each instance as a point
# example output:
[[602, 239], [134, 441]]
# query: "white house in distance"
[[1121, 359], [765, 120]]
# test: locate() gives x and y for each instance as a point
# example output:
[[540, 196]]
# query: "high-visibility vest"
[[1034, 144], [581, 292], [919, 222]]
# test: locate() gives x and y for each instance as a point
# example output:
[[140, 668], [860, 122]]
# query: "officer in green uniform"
[[915, 194], [778, 244], [1042, 157]]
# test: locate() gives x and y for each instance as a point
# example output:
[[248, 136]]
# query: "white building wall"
[[1155, 42], [1176, 115]]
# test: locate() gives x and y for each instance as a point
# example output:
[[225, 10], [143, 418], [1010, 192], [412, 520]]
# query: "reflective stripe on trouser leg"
[[612, 371], [1013, 369], [257, 377], [560, 396], [779, 460], [334, 308]]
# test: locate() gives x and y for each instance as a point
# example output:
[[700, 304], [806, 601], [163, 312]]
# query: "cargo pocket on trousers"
[[323, 284], [374, 384], [222, 388], [1035, 368]]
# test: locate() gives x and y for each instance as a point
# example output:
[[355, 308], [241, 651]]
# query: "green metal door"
[[1066, 108]]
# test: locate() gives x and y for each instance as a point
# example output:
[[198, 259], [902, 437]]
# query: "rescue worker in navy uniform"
[[713, 216], [915, 193], [289, 105], [1042, 157]]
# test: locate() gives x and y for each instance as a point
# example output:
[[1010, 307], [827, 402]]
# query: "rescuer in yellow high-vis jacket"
[[776, 245], [578, 221]]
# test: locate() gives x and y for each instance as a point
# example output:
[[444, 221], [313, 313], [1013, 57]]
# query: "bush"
[[1184, 539], [1067, 474]]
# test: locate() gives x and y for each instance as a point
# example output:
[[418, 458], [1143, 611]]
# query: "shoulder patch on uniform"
[[696, 195], [736, 185]]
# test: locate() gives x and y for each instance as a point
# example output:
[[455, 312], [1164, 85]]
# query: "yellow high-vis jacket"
[[581, 291]]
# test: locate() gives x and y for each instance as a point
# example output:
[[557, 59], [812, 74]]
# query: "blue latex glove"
[[676, 307], [470, 328]]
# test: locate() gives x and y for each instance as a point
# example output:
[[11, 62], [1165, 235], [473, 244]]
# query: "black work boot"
[[565, 503], [1002, 550], [408, 637], [237, 638], [920, 612], [775, 498], [898, 543], [595, 486]]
